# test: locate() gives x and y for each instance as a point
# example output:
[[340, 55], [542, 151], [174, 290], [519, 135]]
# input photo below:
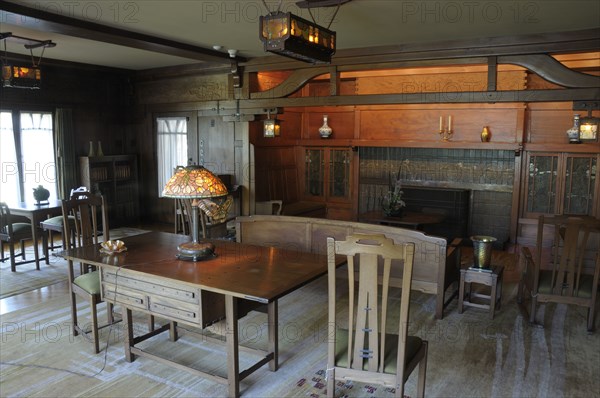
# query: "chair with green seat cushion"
[[565, 265], [362, 345], [12, 233], [55, 224], [85, 212]]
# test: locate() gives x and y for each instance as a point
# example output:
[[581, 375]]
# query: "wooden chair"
[[84, 211], [182, 225], [212, 213], [55, 224], [367, 352], [565, 267], [269, 207], [12, 233]]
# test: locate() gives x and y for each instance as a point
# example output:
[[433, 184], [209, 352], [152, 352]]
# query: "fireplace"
[[452, 203]]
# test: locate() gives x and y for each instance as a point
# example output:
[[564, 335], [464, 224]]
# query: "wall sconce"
[[271, 127], [588, 128]]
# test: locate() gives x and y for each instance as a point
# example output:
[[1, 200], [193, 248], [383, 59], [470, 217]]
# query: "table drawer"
[[152, 287], [122, 295], [175, 310]]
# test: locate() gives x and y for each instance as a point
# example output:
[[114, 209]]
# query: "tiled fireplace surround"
[[485, 177]]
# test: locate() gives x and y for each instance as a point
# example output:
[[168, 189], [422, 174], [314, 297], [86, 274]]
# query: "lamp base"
[[196, 251]]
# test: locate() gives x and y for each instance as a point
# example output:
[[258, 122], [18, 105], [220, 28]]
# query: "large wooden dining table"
[[149, 278], [36, 213]]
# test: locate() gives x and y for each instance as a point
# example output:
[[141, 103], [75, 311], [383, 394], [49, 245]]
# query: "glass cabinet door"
[[339, 173], [327, 173], [580, 182], [542, 183], [561, 183], [314, 172]]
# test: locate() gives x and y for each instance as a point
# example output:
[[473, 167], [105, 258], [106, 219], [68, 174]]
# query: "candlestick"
[[450, 123], [441, 123]]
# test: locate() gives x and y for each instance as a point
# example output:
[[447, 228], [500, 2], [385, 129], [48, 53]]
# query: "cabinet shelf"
[[115, 177]]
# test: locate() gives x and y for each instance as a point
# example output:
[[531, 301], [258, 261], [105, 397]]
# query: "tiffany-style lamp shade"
[[194, 182]]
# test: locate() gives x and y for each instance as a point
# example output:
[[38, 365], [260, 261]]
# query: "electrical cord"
[[105, 359]]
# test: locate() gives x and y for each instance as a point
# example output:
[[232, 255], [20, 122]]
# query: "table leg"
[[493, 297], [461, 292], [273, 321], [34, 236], [129, 356], [173, 335], [231, 333]]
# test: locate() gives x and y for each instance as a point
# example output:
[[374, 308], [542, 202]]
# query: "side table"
[[491, 278]]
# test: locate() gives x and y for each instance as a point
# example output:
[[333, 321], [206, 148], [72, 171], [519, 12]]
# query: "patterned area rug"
[[469, 354], [27, 278], [316, 387]]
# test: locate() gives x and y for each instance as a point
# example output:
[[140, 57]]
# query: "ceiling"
[[233, 24]]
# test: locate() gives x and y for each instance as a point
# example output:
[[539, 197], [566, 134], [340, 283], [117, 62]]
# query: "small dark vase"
[[394, 212], [41, 194]]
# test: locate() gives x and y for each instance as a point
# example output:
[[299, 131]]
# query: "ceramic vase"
[[325, 131]]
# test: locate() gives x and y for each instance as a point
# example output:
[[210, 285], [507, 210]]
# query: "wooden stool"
[[491, 278]]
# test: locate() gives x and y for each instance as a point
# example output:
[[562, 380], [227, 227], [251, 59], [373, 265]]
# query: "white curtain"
[[9, 171], [37, 149], [66, 160], [171, 147]]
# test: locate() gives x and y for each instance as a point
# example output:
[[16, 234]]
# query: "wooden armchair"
[[84, 212], [565, 265], [360, 347]]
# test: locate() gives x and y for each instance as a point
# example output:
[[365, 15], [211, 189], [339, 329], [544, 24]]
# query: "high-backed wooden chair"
[[269, 207], [565, 265], [362, 348], [12, 233], [84, 211], [55, 224]]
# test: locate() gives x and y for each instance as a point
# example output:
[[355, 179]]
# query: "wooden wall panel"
[[548, 122], [341, 120], [183, 89], [276, 174], [417, 124], [440, 83]]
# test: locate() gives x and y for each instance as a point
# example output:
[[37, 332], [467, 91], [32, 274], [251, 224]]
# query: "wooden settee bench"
[[304, 209], [436, 265]]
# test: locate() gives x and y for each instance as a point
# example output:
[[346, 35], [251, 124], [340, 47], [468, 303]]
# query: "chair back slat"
[[367, 318], [571, 244], [85, 210]]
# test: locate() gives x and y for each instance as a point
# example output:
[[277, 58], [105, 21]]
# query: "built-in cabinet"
[[116, 178], [558, 183], [328, 178]]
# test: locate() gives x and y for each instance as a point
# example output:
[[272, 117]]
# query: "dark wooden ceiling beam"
[[467, 97], [38, 19]]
